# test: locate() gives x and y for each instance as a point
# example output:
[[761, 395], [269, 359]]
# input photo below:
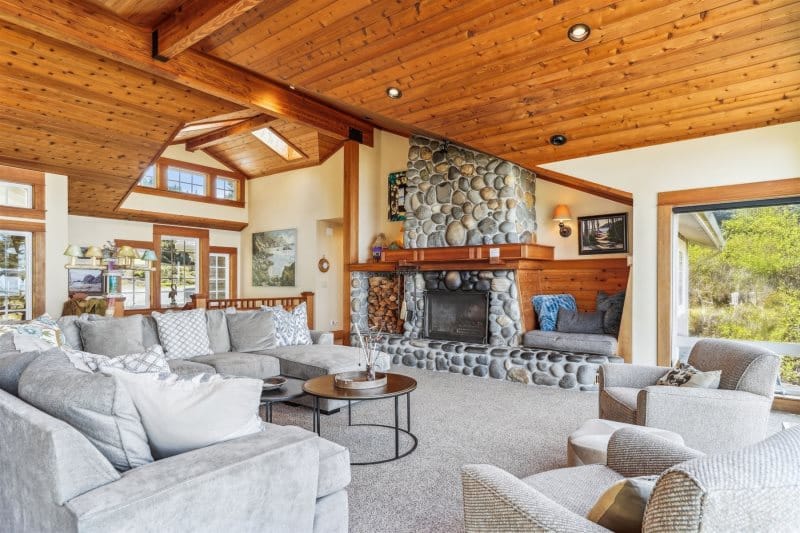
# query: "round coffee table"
[[397, 385]]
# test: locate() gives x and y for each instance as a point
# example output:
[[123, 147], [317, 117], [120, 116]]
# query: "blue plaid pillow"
[[547, 306]]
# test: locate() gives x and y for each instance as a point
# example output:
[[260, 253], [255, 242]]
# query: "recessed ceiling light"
[[579, 32], [394, 93], [291, 87], [558, 139]]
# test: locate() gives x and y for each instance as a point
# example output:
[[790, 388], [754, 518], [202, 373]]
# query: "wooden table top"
[[324, 387]]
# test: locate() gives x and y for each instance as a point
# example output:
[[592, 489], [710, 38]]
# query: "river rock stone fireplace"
[[456, 315]]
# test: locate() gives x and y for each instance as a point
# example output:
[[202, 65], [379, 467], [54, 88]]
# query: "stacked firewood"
[[383, 308]]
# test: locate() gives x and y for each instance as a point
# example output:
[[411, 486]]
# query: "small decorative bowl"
[[274, 383]]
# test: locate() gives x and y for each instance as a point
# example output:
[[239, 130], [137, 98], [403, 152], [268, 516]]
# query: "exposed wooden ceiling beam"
[[105, 34], [193, 21], [582, 185], [163, 218], [220, 135]]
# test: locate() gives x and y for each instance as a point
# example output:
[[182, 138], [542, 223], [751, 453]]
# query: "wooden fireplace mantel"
[[510, 257]]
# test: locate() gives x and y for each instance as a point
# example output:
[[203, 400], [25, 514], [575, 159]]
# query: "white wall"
[[390, 154], [294, 199], [549, 194], [328, 289], [748, 156], [56, 239]]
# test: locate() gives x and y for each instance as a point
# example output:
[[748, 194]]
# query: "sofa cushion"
[[252, 331], [611, 305], [580, 322], [94, 404], [576, 488], [149, 331], [183, 334], [70, 333], [181, 414], [185, 367], [619, 403], [247, 365], [570, 342], [12, 365], [310, 361], [112, 337], [218, 336], [334, 468]]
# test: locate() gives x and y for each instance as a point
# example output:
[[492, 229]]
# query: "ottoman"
[[587, 444]]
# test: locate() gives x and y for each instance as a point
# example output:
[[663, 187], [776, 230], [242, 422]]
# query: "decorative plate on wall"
[[323, 265]]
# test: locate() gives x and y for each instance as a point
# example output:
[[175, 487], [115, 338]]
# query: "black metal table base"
[[396, 427]]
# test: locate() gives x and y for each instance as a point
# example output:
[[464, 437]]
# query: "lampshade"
[[73, 251], [126, 252], [561, 213], [149, 255], [94, 252]]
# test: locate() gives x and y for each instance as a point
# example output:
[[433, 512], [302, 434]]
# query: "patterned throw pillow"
[[150, 361], [621, 507], [183, 334], [684, 375], [547, 306], [291, 328], [43, 327]]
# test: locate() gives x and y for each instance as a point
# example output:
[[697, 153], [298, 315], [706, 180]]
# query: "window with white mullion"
[[219, 276]]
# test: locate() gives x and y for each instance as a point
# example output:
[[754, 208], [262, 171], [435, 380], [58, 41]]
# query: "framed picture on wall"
[[274, 258], [398, 183], [603, 234], [89, 281]]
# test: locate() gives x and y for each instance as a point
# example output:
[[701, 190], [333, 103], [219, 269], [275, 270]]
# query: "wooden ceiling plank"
[[663, 102], [193, 21], [44, 166], [533, 35], [553, 106], [778, 112], [143, 13], [218, 136], [230, 164], [606, 59], [111, 37]]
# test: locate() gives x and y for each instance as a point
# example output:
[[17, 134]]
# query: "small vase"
[[370, 372]]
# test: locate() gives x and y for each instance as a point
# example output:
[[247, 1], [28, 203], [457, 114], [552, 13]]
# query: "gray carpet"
[[458, 420]]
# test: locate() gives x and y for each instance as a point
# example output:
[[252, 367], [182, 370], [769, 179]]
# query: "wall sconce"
[[95, 254], [561, 215], [125, 255], [73, 252]]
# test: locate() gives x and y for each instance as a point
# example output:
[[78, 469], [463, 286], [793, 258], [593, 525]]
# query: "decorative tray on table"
[[358, 380], [274, 383]]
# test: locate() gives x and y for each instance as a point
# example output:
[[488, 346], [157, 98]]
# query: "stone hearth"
[[541, 367]]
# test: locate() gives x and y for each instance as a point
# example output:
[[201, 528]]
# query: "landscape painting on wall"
[[274, 256], [89, 281], [603, 234]]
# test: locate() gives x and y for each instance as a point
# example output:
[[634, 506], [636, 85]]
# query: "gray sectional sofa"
[[300, 362]]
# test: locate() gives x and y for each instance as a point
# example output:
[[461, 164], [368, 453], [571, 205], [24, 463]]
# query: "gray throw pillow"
[[94, 404], [251, 332], [12, 365], [579, 322], [7, 343], [70, 332], [611, 305], [118, 336], [218, 336]]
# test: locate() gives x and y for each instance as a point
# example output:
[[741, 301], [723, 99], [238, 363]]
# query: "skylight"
[[278, 144]]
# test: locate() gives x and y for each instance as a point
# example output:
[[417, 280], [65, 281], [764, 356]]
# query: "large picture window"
[[186, 181]]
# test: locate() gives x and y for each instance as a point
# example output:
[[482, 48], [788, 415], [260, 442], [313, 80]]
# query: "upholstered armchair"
[[752, 489], [710, 420]]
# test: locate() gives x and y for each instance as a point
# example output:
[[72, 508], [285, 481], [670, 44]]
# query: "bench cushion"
[[571, 342], [308, 361], [247, 365]]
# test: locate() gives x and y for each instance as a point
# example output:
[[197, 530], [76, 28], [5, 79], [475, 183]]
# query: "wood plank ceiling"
[[500, 76]]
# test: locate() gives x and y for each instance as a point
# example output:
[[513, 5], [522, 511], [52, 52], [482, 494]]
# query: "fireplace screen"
[[457, 316]]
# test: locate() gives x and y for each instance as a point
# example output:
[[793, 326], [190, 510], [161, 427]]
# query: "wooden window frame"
[[233, 266], [667, 202], [145, 245], [38, 273], [25, 177], [210, 173], [202, 255]]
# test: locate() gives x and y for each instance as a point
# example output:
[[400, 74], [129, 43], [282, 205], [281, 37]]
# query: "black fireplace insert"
[[457, 315]]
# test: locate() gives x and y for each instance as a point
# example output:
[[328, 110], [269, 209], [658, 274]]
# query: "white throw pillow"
[[183, 334], [180, 414], [685, 375], [151, 360]]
